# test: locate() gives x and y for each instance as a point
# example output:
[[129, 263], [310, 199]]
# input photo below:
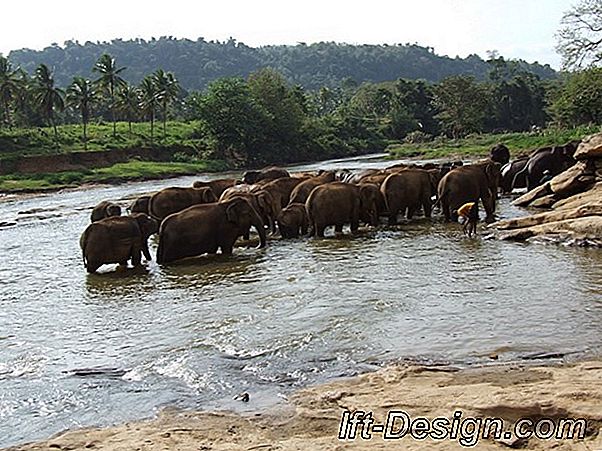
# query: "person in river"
[[469, 216]]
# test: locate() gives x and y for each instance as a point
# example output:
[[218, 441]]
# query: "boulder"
[[591, 209], [535, 193], [576, 179], [545, 201], [590, 147], [593, 195], [584, 228]]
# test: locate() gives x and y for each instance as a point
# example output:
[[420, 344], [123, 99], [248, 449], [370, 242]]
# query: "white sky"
[[516, 28]]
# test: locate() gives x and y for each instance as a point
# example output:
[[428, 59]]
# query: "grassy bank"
[[479, 145], [40, 141], [118, 173]]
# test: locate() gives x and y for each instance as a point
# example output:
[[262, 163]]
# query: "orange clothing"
[[464, 210]]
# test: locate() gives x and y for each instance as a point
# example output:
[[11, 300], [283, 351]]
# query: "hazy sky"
[[516, 28]]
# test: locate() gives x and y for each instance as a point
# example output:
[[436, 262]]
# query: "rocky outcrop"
[[573, 198]]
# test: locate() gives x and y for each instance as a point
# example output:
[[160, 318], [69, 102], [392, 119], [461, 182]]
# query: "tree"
[[462, 103], [234, 119], [109, 80], [579, 101], [283, 107], [10, 84], [168, 89], [47, 96], [81, 96], [580, 36], [128, 104], [148, 102]]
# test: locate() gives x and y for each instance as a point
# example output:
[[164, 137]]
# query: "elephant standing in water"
[[469, 183], [105, 209], [340, 203], [172, 200], [409, 190], [293, 221], [218, 186], [206, 228], [117, 239], [273, 173]]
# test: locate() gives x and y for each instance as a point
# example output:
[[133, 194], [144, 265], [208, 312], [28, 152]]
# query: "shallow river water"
[[79, 349]]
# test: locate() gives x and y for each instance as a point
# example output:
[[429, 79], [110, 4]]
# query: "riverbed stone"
[[590, 147]]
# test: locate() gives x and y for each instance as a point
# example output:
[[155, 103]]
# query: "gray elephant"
[[469, 183], [218, 186], [409, 190], [262, 201], [548, 161], [302, 191], [206, 228], [117, 239], [293, 221], [272, 173], [172, 200], [500, 154], [105, 209], [339, 203], [140, 204]]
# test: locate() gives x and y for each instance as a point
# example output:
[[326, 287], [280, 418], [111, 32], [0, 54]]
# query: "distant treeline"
[[265, 118], [197, 63]]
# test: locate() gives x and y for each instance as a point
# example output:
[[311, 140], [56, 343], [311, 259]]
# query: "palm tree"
[[81, 95], [168, 89], [128, 104], [109, 80], [48, 97], [10, 84], [148, 101]]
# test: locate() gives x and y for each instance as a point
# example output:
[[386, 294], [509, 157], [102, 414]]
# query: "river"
[[79, 349]]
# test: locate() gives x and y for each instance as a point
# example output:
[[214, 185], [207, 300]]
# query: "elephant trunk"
[[259, 226]]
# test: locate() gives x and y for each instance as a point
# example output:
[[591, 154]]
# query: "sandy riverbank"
[[311, 418]]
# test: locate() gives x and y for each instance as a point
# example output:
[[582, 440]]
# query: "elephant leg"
[[136, 257], [92, 266], [411, 211], [338, 228], [319, 230], [489, 206], [247, 234], [146, 252], [446, 210], [427, 206], [355, 224], [227, 248]]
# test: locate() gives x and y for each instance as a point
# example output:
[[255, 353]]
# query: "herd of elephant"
[[212, 215]]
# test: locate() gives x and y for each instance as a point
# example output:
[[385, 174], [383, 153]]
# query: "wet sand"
[[310, 419]]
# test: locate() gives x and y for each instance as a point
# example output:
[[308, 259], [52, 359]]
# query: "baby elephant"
[[105, 209], [117, 239], [293, 220]]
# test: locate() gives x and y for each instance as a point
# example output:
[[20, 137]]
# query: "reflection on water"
[[79, 349]]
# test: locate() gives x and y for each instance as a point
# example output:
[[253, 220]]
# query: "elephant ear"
[[233, 210], [209, 196], [492, 171], [266, 202]]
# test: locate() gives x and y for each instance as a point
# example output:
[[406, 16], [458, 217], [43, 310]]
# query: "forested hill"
[[195, 63]]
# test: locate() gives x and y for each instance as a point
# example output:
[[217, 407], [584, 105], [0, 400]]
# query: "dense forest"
[[197, 63], [264, 117]]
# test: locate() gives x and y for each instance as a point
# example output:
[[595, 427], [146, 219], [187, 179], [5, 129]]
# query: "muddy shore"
[[311, 418]]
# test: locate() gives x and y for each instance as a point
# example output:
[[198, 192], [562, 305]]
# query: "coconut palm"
[[168, 89], [148, 101], [81, 95], [47, 96], [128, 104], [10, 84], [109, 80]]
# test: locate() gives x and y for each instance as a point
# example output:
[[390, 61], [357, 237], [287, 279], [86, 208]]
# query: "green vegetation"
[[121, 172], [479, 145], [273, 105], [16, 142], [198, 63]]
